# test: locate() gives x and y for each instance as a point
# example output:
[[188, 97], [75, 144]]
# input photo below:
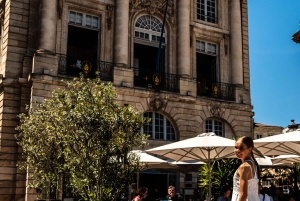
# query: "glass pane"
[[148, 127], [208, 126], [153, 38], [79, 18], [88, 21], [142, 35], [95, 22], [202, 46], [72, 17], [136, 34]]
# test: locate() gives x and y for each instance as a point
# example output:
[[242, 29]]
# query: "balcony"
[[90, 68], [154, 80], [217, 90]]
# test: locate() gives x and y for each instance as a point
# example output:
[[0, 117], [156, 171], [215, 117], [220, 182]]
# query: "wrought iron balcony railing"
[[158, 81], [216, 90], [91, 68]]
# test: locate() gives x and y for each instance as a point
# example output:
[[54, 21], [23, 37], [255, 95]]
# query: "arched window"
[[159, 128], [212, 125], [149, 28]]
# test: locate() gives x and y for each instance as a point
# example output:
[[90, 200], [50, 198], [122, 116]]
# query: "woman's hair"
[[249, 143], [142, 191], [224, 190]]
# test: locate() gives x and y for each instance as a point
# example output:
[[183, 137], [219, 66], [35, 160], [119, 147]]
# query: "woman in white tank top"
[[246, 177]]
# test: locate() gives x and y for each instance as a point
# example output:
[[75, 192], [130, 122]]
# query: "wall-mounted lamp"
[[46, 71], [124, 84]]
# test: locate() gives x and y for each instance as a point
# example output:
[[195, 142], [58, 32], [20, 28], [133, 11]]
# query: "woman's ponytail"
[[257, 166]]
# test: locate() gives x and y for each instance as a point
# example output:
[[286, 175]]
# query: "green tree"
[[222, 172], [82, 136]]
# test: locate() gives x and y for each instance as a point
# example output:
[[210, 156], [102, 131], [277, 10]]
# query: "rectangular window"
[[83, 19], [206, 47], [207, 10], [258, 136]]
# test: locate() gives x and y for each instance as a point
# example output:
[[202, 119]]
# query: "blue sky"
[[274, 60]]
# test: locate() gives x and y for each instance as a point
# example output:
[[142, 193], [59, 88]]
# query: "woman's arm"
[[244, 172]]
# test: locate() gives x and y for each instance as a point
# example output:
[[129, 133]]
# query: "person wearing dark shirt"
[[226, 195], [281, 196], [172, 194]]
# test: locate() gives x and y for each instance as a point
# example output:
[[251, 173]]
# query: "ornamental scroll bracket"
[[153, 7]]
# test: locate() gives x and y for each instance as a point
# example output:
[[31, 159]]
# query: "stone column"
[[183, 34], [121, 32], [236, 42], [47, 31]]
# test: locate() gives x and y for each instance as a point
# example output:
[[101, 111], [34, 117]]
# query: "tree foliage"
[[222, 172], [82, 136]]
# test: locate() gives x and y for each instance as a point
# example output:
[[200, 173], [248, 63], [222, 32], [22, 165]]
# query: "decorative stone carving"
[[152, 7], [216, 111], [156, 103]]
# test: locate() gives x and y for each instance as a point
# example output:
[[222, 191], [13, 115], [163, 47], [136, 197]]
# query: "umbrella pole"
[[209, 178], [137, 180]]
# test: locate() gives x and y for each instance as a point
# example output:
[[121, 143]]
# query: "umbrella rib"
[[185, 155], [286, 151], [218, 154]]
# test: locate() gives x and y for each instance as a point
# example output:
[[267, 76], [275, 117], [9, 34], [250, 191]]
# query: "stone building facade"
[[200, 83], [264, 130]]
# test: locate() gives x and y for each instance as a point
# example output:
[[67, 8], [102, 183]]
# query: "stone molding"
[[152, 7]]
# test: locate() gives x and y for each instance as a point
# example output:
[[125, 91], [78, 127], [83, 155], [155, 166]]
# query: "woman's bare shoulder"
[[244, 167]]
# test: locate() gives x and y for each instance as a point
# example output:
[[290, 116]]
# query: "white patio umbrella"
[[151, 162], [187, 166], [286, 159], [266, 161], [281, 144], [206, 147]]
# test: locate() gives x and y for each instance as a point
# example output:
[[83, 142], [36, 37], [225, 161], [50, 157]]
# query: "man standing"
[[172, 194]]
